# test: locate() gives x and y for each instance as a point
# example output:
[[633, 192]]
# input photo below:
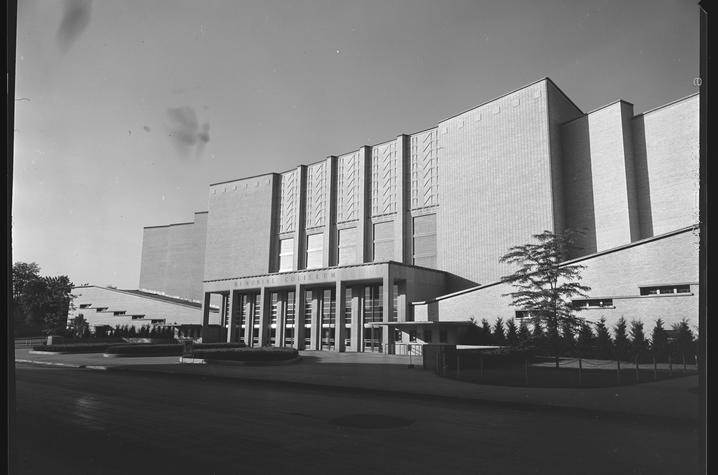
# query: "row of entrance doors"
[[282, 329]]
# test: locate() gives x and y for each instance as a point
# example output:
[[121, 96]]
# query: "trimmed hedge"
[[75, 347], [170, 349], [247, 354]]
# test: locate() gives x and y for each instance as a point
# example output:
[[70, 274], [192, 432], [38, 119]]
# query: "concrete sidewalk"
[[669, 400]]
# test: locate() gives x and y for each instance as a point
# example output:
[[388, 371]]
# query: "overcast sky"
[[127, 110]]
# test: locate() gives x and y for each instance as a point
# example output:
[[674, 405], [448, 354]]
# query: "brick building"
[[400, 241]]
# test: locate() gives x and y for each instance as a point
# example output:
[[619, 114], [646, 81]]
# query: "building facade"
[[399, 242]]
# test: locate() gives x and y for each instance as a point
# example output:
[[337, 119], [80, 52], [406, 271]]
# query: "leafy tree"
[[542, 285], [498, 335], [40, 303], [512, 337], [659, 341], [604, 345], [620, 340], [131, 333], [639, 344], [584, 343]]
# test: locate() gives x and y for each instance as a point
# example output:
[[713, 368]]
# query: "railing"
[[29, 342], [405, 349]]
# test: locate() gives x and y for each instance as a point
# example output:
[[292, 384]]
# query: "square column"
[[357, 319], [266, 301], [387, 302], [330, 204], [402, 227], [314, 343], [249, 324], [232, 313], [299, 232], [364, 239], [339, 302], [299, 317], [205, 314], [281, 315]]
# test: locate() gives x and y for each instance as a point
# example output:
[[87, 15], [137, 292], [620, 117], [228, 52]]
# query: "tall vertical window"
[[347, 246], [424, 241], [286, 254], [315, 249], [307, 318], [383, 241]]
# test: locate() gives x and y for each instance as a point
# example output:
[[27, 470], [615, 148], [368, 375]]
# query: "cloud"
[[75, 19], [185, 131]]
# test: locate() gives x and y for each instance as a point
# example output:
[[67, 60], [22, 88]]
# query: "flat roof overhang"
[[421, 324], [358, 273]]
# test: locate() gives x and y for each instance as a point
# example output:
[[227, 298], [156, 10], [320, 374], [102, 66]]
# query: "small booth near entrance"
[[408, 338]]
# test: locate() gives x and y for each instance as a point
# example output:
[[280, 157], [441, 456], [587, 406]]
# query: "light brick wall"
[[239, 228], [116, 300], [185, 259], [617, 275], [560, 111], [665, 145], [495, 181], [153, 268], [598, 167], [173, 258]]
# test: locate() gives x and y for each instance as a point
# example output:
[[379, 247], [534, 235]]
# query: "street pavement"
[[78, 421], [674, 399]]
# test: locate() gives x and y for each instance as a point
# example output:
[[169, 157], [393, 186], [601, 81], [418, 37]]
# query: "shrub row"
[[75, 347], [172, 349], [247, 354]]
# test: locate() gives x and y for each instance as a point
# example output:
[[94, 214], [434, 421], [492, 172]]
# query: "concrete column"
[[402, 199], [387, 301], [339, 316], [357, 319], [300, 233], [281, 316], [299, 317], [249, 333], [330, 202], [401, 302], [232, 316], [363, 245], [205, 314], [314, 342], [265, 299]]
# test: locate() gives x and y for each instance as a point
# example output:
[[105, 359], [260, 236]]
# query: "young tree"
[[542, 285], [639, 345], [498, 334], [620, 340], [524, 334], [79, 328], [684, 340], [604, 345], [659, 341], [512, 337], [486, 337], [585, 341], [568, 338]]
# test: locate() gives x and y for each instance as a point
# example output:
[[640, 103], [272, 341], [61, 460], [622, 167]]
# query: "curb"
[[649, 419], [65, 365], [188, 360]]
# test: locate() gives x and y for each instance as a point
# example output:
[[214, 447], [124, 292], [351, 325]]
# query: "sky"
[[126, 111]]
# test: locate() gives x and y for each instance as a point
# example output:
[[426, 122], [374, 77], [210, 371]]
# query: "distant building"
[[399, 242]]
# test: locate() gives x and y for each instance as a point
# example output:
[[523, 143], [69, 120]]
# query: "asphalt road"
[[79, 421]]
